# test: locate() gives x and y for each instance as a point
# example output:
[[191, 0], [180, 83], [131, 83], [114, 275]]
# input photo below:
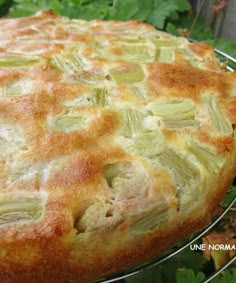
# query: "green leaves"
[[228, 46], [183, 5], [83, 9], [167, 271], [2, 2], [226, 277], [125, 10], [154, 12], [132, 9], [162, 10], [22, 8], [231, 194], [187, 275]]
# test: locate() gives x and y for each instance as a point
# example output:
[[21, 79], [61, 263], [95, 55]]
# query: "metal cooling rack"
[[120, 277]]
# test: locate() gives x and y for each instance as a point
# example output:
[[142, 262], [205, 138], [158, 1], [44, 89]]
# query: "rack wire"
[[120, 277]]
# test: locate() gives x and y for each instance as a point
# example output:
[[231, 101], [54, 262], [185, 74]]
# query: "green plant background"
[[171, 16]]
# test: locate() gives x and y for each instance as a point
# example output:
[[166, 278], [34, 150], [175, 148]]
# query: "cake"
[[116, 141]]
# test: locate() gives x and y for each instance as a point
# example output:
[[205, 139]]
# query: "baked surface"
[[116, 141]]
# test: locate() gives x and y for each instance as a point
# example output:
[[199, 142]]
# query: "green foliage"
[[228, 46], [4, 6], [182, 5], [228, 276], [198, 32], [129, 9], [84, 9], [161, 11], [22, 8], [155, 12], [201, 33], [188, 275], [167, 271], [229, 196]]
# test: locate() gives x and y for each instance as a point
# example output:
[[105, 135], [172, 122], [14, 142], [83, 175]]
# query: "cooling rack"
[[120, 277]]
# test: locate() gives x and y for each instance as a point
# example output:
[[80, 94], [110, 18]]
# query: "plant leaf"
[[22, 8], [2, 2], [226, 277], [161, 11], [166, 272], [228, 46], [188, 275], [171, 28], [125, 10], [183, 5], [231, 194]]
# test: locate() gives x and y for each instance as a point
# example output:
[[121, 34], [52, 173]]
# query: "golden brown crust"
[[116, 141]]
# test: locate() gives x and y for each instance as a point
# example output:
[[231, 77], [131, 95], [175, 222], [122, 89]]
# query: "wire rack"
[[120, 277]]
